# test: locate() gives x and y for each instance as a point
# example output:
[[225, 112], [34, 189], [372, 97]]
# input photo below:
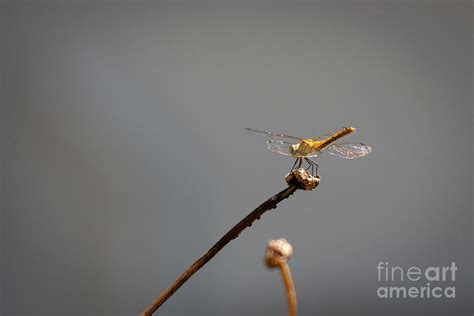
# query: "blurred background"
[[124, 159]]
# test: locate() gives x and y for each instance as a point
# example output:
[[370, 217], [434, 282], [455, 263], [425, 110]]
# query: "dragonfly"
[[307, 148]]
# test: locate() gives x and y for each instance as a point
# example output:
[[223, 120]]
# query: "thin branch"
[[289, 287], [277, 254], [231, 234]]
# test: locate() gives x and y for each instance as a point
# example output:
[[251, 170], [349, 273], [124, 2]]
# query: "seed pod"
[[302, 179]]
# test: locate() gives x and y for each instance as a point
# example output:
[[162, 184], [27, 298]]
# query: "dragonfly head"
[[294, 148]]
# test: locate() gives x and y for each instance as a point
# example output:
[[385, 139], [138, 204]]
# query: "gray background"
[[124, 159]]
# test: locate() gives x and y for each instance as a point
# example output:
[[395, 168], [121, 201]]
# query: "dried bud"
[[276, 252], [302, 179]]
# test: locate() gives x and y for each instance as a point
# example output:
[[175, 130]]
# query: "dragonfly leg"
[[298, 162], [312, 164], [301, 162], [294, 165]]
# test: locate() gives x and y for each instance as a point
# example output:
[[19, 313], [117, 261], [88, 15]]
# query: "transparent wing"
[[314, 154], [275, 136], [280, 147], [349, 150]]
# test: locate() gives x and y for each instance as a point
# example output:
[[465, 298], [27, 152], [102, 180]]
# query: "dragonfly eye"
[[295, 147]]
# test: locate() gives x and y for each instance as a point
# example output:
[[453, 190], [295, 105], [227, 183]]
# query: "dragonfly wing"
[[280, 147], [314, 154], [275, 136], [349, 150]]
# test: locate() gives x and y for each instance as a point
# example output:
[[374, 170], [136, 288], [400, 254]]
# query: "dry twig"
[[294, 184]]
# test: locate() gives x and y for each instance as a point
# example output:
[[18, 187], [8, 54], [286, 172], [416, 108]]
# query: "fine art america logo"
[[416, 282]]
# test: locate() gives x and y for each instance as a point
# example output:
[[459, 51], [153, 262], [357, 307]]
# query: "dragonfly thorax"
[[302, 148]]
